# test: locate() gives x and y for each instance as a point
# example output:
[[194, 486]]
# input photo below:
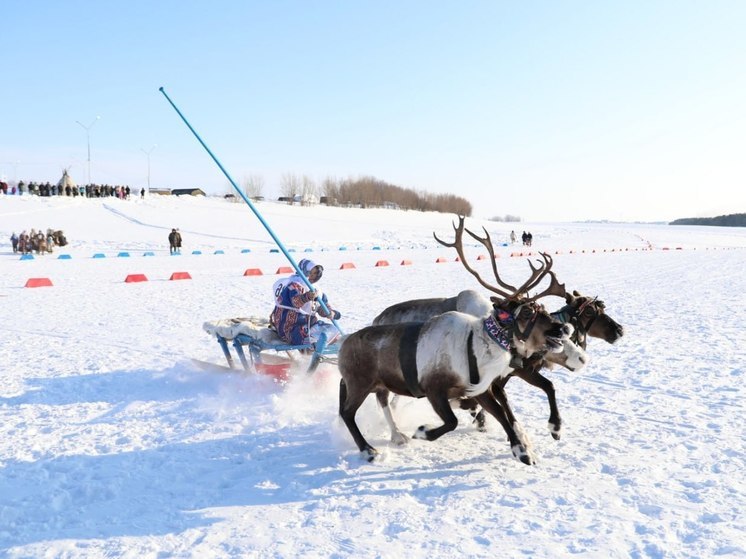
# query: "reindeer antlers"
[[458, 245], [538, 273]]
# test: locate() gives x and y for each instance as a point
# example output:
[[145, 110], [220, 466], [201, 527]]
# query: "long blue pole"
[[253, 208]]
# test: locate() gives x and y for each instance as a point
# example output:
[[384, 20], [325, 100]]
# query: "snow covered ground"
[[113, 444]]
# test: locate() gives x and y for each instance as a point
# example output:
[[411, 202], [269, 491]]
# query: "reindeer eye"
[[526, 313]]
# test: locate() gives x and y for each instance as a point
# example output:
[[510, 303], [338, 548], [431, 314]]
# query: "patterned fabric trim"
[[499, 334]]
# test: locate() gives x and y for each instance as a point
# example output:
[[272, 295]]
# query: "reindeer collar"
[[497, 332]]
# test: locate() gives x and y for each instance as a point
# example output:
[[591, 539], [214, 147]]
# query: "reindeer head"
[[589, 316], [533, 327]]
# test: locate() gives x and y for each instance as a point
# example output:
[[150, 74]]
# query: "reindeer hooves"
[[520, 452], [399, 439], [421, 433], [554, 430], [480, 423], [370, 454]]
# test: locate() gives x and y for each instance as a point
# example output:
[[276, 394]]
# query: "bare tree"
[[253, 185], [330, 189], [290, 186], [309, 191]]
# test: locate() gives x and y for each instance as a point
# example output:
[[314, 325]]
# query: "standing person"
[[142, 194], [512, 237], [178, 241], [529, 238], [14, 242], [172, 241], [294, 316]]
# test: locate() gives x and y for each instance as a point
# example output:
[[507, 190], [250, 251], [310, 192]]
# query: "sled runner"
[[267, 353]]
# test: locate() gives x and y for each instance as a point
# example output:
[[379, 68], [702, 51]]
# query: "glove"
[[336, 315]]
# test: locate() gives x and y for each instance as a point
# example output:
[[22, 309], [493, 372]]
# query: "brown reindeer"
[[450, 356], [586, 314], [589, 319]]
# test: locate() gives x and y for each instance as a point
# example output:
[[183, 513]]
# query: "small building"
[[187, 192], [160, 191]]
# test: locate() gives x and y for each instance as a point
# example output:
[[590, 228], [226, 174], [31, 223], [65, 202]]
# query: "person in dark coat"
[[172, 241]]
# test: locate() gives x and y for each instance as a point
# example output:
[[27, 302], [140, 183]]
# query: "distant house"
[[160, 191], [187, 192]]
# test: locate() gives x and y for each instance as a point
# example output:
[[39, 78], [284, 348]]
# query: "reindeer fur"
[[448, 350]]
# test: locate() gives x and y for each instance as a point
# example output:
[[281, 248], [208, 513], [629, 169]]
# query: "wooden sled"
[[268, 354]]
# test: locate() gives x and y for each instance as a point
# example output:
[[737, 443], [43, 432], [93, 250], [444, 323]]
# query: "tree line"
[[363, 192], [731, 220]]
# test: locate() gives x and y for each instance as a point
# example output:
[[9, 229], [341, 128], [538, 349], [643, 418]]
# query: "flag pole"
[[253, 208]]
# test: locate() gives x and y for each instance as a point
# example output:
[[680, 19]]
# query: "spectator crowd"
[[87, 191], [37, 241]]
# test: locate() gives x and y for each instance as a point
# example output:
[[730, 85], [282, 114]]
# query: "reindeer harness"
[[504, 328], [567, 314]]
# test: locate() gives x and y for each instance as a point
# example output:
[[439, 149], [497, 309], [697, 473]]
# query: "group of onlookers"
[[87, 191], [37, 241], [527, 238]]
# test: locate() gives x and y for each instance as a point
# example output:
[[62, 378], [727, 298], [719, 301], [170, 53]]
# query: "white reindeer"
[[450, 356]]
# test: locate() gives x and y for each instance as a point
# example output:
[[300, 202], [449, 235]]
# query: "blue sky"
[[551, 111]]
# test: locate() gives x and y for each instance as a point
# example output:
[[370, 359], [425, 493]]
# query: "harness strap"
[[568, 314], [408, 358], [563, 315], [473, 367]]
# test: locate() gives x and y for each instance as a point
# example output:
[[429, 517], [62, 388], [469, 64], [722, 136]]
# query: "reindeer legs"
[[442, 406], [535, 378], [477, 414], [397, 437], [498, 390], [488, 402], [348, 406]]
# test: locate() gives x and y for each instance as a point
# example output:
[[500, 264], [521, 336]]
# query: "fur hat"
[[306, 265]]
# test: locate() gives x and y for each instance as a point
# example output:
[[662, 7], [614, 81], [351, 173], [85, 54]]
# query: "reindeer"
[[588, 317], [419, 310], [586, 314], [450, 356]]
